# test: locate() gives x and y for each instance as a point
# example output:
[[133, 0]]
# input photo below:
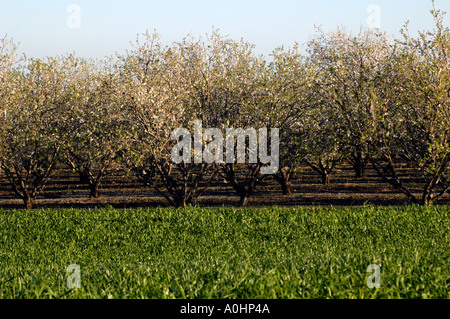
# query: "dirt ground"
[[64, 190]]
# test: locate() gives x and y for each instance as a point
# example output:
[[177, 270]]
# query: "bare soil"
[[65, 190]]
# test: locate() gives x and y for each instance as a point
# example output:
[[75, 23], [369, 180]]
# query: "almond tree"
[[8, 60], [349, 67], [239, 92], [94, 125], [234, 80], [287, 99], [321, 143], [412, 114], [393, 98], [29, 138], [160, 94]]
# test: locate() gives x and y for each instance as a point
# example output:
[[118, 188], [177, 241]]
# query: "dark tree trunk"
[[325, 178], [181, 202], [324, 170], [93, 188], [286, 188], [284, 179], [92, 184], [28, 203], [359, 164], [246, 185], [359, 170], [427, 199], [244, 200]]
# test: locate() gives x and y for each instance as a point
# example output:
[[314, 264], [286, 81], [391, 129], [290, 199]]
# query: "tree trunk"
[[427, 199], [28, 203], [243, 202], [179, 200], [93, 187], [325, 178], [286, 187], [283, 178], [359, 163], [359, 170], [182, 202]]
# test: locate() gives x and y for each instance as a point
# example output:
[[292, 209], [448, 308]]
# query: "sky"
[[97, 28]]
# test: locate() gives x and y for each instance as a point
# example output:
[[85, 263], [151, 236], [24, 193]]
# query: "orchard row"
[[362, 98]]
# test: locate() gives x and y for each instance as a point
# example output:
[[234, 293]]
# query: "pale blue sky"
[[108, 26]]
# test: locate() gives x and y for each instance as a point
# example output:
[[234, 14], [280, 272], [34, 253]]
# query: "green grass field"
[[226, 252]]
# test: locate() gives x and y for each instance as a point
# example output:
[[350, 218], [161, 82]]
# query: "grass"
[[226, 252]]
